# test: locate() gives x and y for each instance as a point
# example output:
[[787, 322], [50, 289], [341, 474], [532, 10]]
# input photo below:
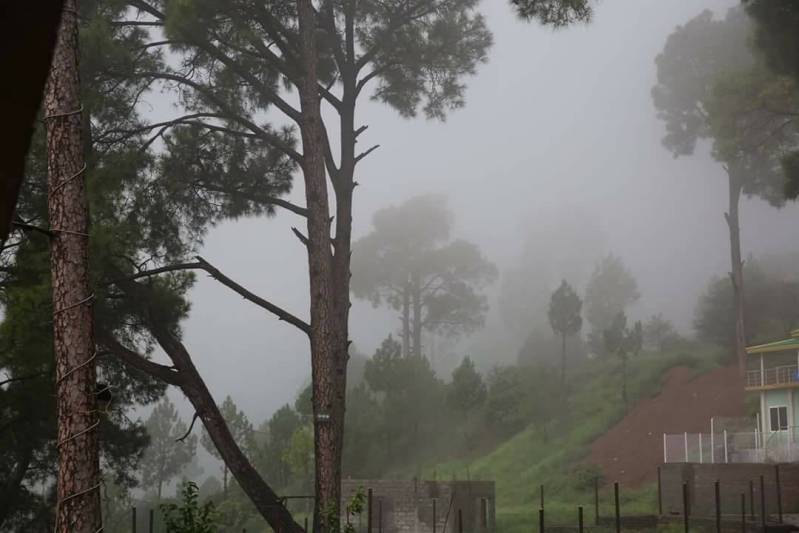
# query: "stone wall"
[[401, 506], [734, 480]]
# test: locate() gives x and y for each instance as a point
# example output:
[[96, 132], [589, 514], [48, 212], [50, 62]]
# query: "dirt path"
[[632, 449]]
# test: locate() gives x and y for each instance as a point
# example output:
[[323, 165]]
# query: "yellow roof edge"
[[775, 346], [765, 348]]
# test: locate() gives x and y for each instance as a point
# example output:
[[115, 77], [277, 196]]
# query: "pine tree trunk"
[[416, 297], [563, 363], [406, 320], [78, 509], [329, 287], [736, 274]]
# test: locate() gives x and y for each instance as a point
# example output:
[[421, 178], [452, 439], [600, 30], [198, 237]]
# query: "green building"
[[773, 372]]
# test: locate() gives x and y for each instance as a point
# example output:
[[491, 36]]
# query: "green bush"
[[189, 516]]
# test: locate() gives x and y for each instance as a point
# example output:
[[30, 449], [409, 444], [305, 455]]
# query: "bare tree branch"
[[367, 152], [215, 273], [303, 239], [191, 426]]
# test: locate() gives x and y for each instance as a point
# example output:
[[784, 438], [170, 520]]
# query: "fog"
[[558, 131]]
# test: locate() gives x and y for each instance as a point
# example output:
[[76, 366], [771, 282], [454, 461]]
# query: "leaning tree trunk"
[[736, 274], [78, 496], [328, 331]]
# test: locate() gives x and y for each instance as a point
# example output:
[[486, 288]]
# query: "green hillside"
[[531, 458]]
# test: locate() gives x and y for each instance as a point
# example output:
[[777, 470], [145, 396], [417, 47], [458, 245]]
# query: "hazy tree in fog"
[[468, 390], [408, 388], [772, 307], [241, 429], [564, 315], [299, 455], [709, 86], [623, 342], [659, 333], [78, 481], [275, 440], [166, 456], [521, 395], [410, 263], [611, 289], [564, 243], [777, 37]]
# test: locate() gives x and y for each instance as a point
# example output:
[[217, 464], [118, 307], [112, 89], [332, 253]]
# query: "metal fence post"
[[435, 517], [369, 511], [762, 503], [152, 522], [542, 496], [380, 515], [580, 519], [660, 495], [718, 506], [685, 506], [743, 512], [460, 521], [541, 521], [133, 519], [751, 500], [779, 492], [618, 508], [596, 500], [306, 524]]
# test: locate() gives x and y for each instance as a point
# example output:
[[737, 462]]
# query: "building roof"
[[777, 346]]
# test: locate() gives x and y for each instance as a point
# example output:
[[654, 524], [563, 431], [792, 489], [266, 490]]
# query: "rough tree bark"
[[78, 508], [736, 274]]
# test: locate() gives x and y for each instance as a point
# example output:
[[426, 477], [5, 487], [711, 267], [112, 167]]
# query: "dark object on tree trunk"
[[27, 39]]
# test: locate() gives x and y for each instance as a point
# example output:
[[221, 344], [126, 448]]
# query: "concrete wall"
[[733, 481], [407, 506]]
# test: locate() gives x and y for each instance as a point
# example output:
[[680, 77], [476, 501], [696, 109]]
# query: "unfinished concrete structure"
[[413, 506]]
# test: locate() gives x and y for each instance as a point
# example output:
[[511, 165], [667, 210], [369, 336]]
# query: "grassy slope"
[[528, 460]]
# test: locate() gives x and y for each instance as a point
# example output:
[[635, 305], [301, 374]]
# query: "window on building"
[[779, 418]]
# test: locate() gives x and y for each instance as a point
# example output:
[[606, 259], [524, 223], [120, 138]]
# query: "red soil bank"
[[632, 449]]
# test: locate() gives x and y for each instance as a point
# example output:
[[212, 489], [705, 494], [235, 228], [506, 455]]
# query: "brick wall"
[[402, 506], [733, 481]]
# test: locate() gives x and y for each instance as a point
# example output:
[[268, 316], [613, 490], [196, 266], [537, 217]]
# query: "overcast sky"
[[556, 123]]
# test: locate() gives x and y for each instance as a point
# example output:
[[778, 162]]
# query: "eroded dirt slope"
[[632, 449]]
